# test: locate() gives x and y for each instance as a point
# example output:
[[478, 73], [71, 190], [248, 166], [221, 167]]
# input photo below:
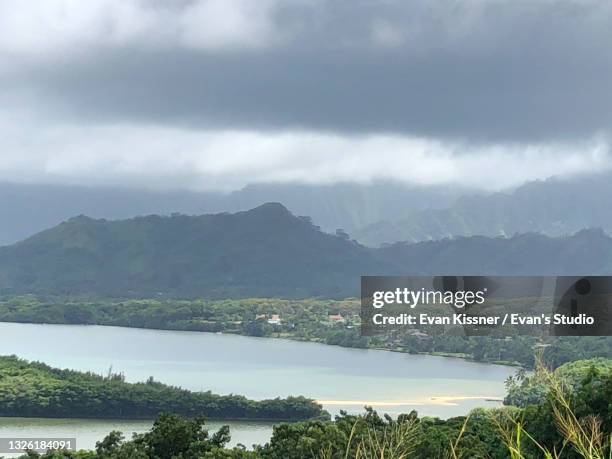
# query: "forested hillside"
[[264, 252]]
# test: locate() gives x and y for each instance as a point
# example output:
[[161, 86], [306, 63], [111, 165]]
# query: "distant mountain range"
[[373, 214], [266, 251], [588, 252], [28, 209], [553, 207]]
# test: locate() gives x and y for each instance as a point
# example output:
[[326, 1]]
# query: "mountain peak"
[[269, 210], [270, 207]]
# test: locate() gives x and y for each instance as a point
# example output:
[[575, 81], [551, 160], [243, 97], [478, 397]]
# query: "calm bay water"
[[339, 378]]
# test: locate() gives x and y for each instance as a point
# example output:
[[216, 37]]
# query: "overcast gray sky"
[[214, 94]]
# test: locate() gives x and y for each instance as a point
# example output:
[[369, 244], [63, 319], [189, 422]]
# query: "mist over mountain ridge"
[[28, 209], [553, 207], [374, 214]]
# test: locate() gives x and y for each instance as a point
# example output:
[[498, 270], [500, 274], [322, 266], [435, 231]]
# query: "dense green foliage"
[[428, 437], [266, 251], [590, 397], [481, 435], [531, 389], [37, 390], [306, 320]]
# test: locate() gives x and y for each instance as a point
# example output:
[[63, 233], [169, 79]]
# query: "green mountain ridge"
[[587, 252], [264, 252], [26, 209]]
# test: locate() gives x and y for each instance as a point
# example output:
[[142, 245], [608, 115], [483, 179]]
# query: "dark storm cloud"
[[216, 94], [482, 71]]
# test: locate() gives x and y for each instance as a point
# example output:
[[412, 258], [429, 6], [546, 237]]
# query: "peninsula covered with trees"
[[32, 389]]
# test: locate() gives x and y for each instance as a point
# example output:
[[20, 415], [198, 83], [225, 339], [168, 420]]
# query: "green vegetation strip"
[[32, 389], [323, 321]]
